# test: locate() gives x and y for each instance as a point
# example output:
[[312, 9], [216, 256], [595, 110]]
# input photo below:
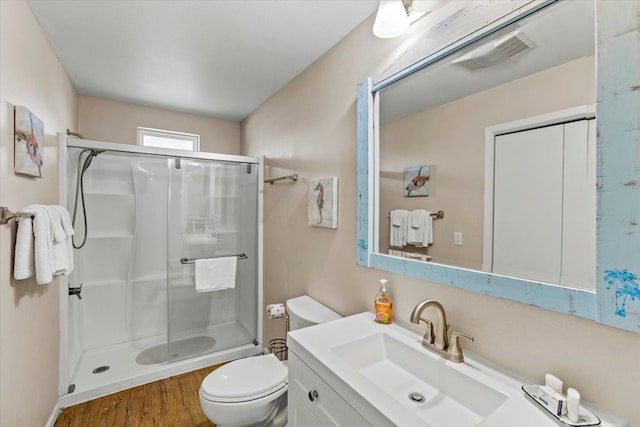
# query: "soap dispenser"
[[382, 305]]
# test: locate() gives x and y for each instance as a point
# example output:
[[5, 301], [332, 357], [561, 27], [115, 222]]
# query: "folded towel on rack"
[[214, 274], [398, 217], [43, 245], [399, 223], [420, 233]]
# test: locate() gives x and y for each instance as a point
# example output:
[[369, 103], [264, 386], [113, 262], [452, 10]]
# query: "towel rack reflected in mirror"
[[192, 260], [434, 215]]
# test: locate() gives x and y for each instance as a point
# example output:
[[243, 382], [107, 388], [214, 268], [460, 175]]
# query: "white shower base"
[[124, 372]]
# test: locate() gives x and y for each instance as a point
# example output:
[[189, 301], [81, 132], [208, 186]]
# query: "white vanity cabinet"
[[312, 402]]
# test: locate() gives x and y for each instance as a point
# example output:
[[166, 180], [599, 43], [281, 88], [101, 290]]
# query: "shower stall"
[[142, 217]]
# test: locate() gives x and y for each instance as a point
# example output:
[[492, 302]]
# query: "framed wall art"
[[416, 181], [322, 203], [28, 142]]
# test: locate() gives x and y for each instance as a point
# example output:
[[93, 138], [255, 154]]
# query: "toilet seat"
[[245, 379]]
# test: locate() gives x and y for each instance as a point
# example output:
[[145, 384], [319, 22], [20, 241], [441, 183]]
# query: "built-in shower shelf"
[[105, 282], [110, 236], [147, 278], [109, 194], [200, 239], [225, 196], [225, 231]]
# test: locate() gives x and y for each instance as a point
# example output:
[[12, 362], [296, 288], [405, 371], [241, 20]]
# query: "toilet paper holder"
[[278, 346]]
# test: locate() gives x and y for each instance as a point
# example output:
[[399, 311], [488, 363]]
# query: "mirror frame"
[[618, 170]]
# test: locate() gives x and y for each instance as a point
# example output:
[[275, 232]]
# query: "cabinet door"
[[299, 414], [528, 204], [309, 395]]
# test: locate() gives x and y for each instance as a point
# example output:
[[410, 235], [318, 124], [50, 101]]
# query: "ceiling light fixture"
[[395, 16], [391, 20], [426, 6]]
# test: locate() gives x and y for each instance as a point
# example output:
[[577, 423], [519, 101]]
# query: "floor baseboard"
[[54, 416]]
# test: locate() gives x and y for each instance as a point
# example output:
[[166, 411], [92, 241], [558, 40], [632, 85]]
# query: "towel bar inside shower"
[[192, 260]]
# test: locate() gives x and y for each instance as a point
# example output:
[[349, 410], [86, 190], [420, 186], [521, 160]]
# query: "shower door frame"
[[64, 143]]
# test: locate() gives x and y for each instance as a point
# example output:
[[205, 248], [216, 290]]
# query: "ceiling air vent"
[[495, 52]]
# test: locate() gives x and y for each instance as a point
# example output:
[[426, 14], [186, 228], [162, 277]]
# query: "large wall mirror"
[[477, 160]]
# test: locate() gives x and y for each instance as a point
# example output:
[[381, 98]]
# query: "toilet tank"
[[305, 311]]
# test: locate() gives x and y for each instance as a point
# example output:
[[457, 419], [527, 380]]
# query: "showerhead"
[[91, 153]]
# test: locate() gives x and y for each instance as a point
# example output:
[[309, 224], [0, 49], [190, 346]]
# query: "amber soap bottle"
[[382, 304]]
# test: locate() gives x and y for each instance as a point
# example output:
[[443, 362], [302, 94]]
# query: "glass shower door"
[[212, 229]]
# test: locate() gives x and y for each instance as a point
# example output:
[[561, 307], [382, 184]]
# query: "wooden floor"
[[172, 402]]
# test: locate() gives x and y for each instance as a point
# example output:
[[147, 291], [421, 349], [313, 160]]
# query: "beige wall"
[[309, 127], [30, 75], [101, 119], [451, 139]]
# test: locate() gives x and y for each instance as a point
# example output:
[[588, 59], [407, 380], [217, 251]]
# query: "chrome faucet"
[[439, 342]]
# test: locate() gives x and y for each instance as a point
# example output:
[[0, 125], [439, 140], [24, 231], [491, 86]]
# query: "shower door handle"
[[76, 291]]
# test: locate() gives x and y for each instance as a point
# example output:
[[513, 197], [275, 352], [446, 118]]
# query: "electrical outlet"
[[457, 238]]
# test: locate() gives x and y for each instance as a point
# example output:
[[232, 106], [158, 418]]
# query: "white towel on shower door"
[[213, 274]]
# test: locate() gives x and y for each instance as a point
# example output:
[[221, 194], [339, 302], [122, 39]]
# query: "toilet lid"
[[248, 377]]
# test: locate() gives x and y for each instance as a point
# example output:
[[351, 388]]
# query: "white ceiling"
[[219, 58]]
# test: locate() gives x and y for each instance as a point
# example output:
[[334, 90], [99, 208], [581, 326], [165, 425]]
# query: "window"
[[168, 139]]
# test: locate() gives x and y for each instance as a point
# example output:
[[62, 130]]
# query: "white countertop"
[[315, 345]]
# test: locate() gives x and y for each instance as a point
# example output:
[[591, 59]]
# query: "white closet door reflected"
[[544, 204], [528, 204]]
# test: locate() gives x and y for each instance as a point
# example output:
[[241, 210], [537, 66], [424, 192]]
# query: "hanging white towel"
[[61, 249], [65, 218], [398, 230], [67, 226], [43, 245], [420, 231], [213, 274], [57, 232], [23, 260]]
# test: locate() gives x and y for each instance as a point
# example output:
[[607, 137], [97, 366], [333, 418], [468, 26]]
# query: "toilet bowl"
[[253, 391], [244, 392]]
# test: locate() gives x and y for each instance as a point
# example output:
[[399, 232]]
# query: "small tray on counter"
[[586, 417]]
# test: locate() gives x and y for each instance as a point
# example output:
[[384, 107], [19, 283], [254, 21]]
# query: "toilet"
[[253, 391]]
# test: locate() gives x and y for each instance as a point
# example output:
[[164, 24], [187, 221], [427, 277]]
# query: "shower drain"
[[100, 369], [416, 397]]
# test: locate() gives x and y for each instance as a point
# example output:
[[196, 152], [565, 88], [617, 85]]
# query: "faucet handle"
[[429, 336], [455, 350]]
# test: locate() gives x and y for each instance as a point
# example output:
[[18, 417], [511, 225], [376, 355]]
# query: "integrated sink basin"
[[423, 383], [384, 375]]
